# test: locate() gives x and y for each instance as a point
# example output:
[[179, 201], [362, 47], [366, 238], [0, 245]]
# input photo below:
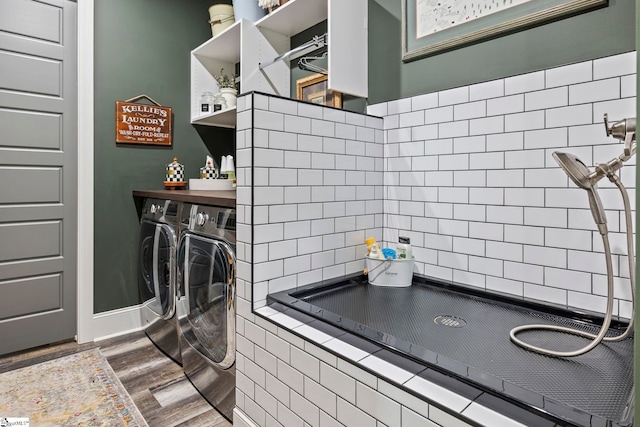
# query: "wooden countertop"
[[226, 198]]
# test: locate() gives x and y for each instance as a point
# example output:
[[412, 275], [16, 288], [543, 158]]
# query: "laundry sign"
[[143, 123]]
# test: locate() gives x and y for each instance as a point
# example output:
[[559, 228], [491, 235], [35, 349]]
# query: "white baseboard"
[[116, 322], [240, 419]]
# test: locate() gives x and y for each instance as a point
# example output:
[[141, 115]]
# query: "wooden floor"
[[158, 386]]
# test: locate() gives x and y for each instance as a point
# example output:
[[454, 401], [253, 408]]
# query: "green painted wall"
[[141, 47], [594, 34]]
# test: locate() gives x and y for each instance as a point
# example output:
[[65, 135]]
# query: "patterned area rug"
[[76, 390]]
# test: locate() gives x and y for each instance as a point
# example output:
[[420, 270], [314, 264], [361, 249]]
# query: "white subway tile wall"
[[511, 201], [468, 174], [318, 190]]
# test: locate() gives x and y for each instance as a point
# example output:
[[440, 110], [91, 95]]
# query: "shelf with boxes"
[[254, 43]]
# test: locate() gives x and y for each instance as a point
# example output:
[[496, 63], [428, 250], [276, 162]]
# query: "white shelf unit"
[[222, 51], [252, 43], [224, 119]]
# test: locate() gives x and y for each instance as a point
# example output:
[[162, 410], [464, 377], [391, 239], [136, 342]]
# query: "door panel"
[[47, 288], [38, 148], [30, 268], [31, 185], [31, 74], [45, 129], [30, 240], [32, 19]]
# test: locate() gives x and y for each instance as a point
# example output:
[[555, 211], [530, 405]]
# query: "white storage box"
[[210, 184], [390, 272]]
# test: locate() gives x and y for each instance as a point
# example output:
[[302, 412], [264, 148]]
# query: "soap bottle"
[[373, 250], [404, 248], [231, 170]]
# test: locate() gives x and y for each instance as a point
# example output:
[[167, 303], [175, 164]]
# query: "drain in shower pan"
[[450, 321]]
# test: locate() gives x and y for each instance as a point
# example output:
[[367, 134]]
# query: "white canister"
[[221, 17]]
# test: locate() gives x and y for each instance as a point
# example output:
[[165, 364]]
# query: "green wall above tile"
[[594, 34]]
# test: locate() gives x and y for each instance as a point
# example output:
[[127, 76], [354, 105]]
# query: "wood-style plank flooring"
[[157, 385]]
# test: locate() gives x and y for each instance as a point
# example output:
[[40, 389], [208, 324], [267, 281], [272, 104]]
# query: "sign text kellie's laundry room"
[[143, 123]]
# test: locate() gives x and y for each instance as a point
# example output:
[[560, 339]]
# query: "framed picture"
[[433, 26], [314, 89]]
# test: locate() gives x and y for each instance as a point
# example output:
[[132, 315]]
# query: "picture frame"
[[313, 89], [432, 26]]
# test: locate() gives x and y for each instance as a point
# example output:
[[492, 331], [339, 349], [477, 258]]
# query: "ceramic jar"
[[175, 171], [230, 95], [208, 172]]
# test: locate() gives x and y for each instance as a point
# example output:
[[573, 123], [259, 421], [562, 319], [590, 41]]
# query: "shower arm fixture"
[[624, 130]]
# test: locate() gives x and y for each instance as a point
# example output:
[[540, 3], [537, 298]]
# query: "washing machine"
[[207, 303], [159, 229]]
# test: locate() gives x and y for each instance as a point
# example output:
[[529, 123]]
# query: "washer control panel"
[[161, 210], [213, 220]]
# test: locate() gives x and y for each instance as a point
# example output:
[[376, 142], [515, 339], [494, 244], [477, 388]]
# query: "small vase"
[[229, 94]]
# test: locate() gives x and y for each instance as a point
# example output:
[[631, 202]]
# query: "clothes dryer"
[[207, 303], [159, 228]]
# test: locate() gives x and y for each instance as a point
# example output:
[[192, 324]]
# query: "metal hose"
[[609, 310], [597, 338], [630, 258]]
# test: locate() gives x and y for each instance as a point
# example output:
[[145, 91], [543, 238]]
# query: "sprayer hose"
[[609, 311]]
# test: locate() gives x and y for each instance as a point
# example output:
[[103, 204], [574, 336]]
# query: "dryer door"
[[157, 260], [207, 280]]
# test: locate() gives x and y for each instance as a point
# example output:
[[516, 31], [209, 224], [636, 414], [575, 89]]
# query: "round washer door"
[[157, 265], [207, 280]]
